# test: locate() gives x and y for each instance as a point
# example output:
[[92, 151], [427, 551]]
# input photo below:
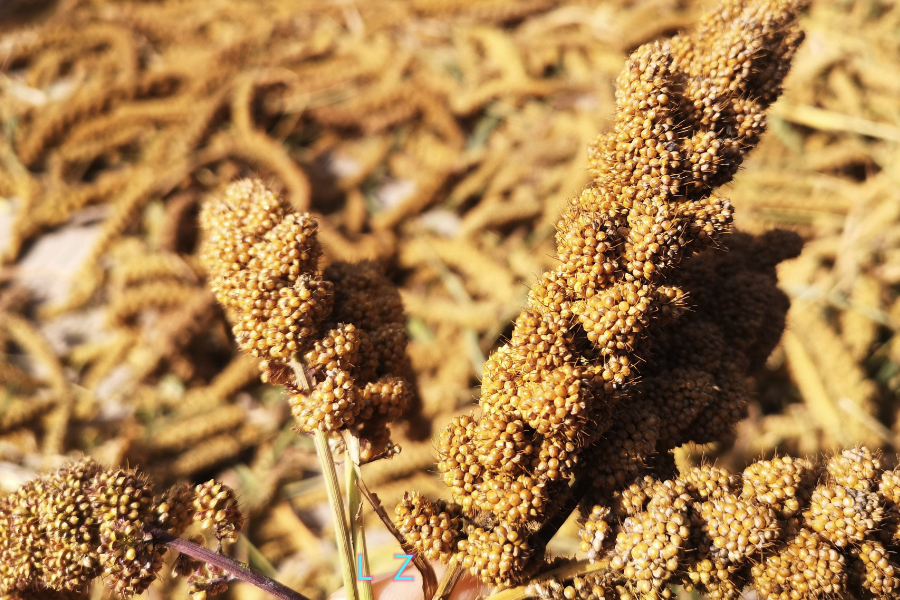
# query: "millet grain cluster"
[[561, 400], [785, 527], [61, 531], [341, 329]]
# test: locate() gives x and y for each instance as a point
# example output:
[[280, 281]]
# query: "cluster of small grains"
[[889, 489], [596, 531], [788, 528], [122, 503], [779, 481], [561, 400], [216, 507], [494, 555], [650, 544], [335, 338], [61, 531], [174, 509], [580, 588], [261, 261], [432, 527], [874, 571]]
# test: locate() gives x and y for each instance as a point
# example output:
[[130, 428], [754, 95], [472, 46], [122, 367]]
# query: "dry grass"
[[439, 137]]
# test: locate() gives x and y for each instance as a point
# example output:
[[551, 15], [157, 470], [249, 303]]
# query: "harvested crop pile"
[[440, 139]]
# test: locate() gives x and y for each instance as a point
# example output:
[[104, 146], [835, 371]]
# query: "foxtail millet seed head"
[[688, 110], [262, 260], [843, 515], [336, 339], [61, 531]]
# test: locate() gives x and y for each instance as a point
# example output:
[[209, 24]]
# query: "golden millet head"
[[381, 403], [889, 486], [716, 579], [61, 531], [735, 528], [457, 461], [501, 557], [262, 261], [560, 401], [708, 481], [331, 405], [174, 509], [651, 544], [71, 559], [873, 570], [123, 503]]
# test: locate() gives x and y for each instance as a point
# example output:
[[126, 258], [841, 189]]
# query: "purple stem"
[[270, 586]]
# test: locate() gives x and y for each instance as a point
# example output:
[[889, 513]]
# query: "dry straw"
[[178, 101]]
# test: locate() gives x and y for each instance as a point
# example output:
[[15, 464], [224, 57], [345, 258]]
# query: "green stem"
[[348, 568], [355, 506]]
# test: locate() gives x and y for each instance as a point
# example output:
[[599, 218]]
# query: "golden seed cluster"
[[596, 531], [874, 571], [261, 260], [122, 503], [788, 528], [711, 482], [61, 531], [735, 528], [807, 567], [495, 555], [782, 483], [433, 528], [174, 509], [561, 399], [336, 338], [216, 507], [889, 489], [854, 468], [843, 515], [650, 545]]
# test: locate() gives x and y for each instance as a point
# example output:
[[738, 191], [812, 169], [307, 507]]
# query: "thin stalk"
[[239, 571], [345, 550], [355, 510], [449, 580], [429, 579]]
